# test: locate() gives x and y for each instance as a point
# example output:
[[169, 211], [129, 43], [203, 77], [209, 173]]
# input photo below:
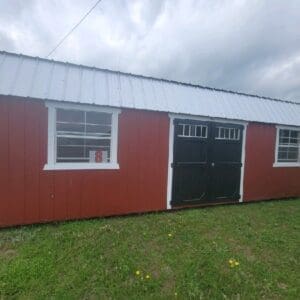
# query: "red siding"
[[262, 180], [29, 194]]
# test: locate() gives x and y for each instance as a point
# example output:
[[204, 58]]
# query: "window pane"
[[293, 154], [294, 134], [204, 131], [68, 115], [69, 128], [180, 129], [283, 140], [226, 133], [98, 118], [284, 133], [186, 130], [64, 141], [101, 130], [232, 133], [85, 150], [193, 130], [288, 154], [282, 155]]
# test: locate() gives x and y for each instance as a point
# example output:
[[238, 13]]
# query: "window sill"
[[286, 165], [82, 166]]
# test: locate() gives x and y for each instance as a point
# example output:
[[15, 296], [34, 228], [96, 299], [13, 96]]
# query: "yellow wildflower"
[[233, 262], [175, 294], [147, 276], [170, 235], [137, 273]]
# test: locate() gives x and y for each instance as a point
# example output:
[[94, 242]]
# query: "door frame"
[[173, 116]]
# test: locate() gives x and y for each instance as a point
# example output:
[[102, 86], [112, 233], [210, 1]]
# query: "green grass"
[[98, 258]]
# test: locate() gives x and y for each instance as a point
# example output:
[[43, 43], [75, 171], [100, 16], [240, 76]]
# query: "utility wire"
[[67, 35]]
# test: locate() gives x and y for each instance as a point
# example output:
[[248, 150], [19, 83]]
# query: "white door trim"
[[171, 145]]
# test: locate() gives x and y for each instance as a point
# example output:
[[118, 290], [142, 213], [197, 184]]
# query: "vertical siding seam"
[[38, 169], [24, 167], [8, 146], [39, 166], [8, 152], [140, 172]]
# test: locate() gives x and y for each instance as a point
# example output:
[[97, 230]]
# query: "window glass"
[[227, 133], [192, 131], [288, 146], [83, 136]]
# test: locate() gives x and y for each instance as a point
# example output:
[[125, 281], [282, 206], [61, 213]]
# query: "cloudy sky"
[[251, 46]]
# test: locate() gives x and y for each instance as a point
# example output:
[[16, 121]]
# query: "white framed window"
[[287, 150], [81, 137], [227, 133], [192, 131]]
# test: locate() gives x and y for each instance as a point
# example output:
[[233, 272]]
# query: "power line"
[[67, 35]]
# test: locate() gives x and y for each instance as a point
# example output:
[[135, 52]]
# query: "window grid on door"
[[192, 131], [227, 133]]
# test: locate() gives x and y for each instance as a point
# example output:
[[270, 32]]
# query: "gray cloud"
[[249, 46]]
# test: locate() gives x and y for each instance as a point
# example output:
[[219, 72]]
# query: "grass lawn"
[[177, 255]]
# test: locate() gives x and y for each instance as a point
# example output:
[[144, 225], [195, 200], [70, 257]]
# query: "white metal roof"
[[32, 77]]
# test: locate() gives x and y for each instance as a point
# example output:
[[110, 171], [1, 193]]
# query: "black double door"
[[206, 162]]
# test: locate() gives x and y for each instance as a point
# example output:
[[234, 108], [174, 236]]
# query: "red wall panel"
[[261, 179], [4, 163], [29, 194]]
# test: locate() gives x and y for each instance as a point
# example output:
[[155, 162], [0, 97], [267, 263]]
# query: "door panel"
[[207, 162], [225, 157], [190, 182], [190, 177]]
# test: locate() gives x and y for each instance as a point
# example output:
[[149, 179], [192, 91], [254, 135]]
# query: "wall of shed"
[[262, 180], [30, 195]]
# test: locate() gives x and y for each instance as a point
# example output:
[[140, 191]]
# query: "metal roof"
[[35, 77]]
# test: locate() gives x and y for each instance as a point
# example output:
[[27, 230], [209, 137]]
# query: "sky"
[[251, 46]]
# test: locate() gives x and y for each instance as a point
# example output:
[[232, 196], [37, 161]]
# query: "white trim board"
[[171, 145]]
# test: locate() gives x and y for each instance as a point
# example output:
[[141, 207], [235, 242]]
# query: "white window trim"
[[51, 157], [277, 164]]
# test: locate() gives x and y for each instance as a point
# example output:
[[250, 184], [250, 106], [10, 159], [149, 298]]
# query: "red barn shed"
[[80, 142]]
